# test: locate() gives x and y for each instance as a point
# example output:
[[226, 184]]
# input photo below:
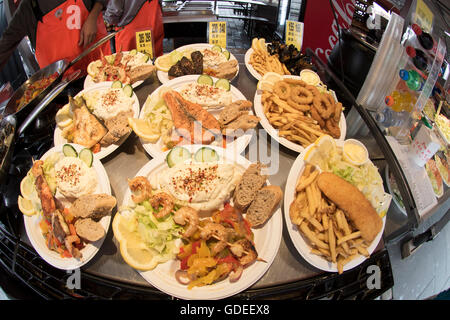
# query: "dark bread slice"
[[94, 206], [262, 208], [250, 183]]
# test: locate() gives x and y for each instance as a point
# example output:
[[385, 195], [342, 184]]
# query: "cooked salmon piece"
[[187, 124], [87, 130]]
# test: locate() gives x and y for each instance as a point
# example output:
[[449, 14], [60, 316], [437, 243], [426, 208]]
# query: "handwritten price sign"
[[144, 42], [218, 33], [294, 34]]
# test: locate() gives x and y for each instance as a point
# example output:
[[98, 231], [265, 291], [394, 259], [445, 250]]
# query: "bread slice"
[[141, 72], [262, 208], [94, 206], [250, 183], [89, 229]]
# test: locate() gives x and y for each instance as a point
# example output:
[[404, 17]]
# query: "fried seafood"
[[164, 200], [189, 216], [140, 188], [301, 113], [282, 90]]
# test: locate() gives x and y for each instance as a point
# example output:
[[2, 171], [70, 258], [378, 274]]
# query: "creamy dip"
[[74, 178], [107, 103], [204, 186], [206, 95], [212, 58]]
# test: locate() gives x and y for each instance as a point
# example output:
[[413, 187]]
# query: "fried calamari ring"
[[282, 89], [302, 95], [315, 92], [316, 116], [298, 106], [323, 106], [333, 128]]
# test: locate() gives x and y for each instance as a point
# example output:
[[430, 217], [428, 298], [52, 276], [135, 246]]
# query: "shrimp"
[[141, 189], [187, 215], [73, 251], [45, 194], [162, 199], [245, 251], [218, 232]]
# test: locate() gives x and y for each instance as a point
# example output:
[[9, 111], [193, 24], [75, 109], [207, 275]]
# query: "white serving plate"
[[104, 152], [297, 238], [164, 76], [155, 149], [259, 110], [90, 250]]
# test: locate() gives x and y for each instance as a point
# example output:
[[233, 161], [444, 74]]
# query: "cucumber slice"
[[133, 52], [128, 90], [205, 79], [116, 84], [226, 53], [86, 156], [206, 154], [69, 151], [216, 48], [177, 155], [224, 84]]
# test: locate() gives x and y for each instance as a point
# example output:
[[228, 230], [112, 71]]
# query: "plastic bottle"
[[390, 118], [401, 101]]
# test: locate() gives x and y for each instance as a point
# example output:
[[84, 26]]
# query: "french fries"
[[324, 226], [291, 123], [263, 62]]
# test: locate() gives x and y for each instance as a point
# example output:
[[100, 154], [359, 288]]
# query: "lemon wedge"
[[25, 206], [64, 117], [143, 130], [272, 77], [164, 62], [265, 85], [124, 228], [326, 144], [175, 56], [27, 187], [137, 255], [93, 68], [314, 157], [262, 44], [255, 44]]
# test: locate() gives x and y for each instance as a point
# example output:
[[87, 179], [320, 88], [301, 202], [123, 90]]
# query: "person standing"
[[57, 30], [135, 16]]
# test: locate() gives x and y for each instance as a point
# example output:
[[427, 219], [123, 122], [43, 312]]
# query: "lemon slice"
[[262, 44], [25, 206], [272, 77], [255, 44], [326, 144], [143, 130], [27, 187], [124, 228], [64, 117], [93, 68], [163, 63], [265, 85], [137, 255], [315, 157], [175, 56]]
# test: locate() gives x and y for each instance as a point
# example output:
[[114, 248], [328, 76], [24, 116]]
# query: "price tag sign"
[[144, 42], [294, 34], [218, 33], [423, 16]]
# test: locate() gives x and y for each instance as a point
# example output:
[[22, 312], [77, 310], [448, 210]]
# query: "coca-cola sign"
[[321, 33]]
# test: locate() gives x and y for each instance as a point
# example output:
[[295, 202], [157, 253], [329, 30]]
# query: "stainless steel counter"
[[125, 162]]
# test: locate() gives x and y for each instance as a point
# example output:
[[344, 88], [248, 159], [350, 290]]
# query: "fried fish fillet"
[[353, 202]]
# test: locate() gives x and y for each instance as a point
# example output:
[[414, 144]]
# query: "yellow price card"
[[294, 34], [218, 33], [423, 16], [144, 42]]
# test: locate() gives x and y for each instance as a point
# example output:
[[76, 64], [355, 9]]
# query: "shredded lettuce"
[[365, 177], [159, 235]]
